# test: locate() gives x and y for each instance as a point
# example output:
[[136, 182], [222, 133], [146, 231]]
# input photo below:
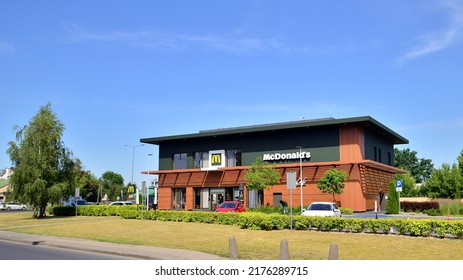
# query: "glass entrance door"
[[217, 197]]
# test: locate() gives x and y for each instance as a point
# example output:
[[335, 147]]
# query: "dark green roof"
[[366, 121]]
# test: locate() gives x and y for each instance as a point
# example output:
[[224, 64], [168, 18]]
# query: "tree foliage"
[[113, 183], [460, 162], [445, 182], [43, 167], [86, 182], [409, 188], [333, 182], [420, 169], [261, 175], [392, 205]]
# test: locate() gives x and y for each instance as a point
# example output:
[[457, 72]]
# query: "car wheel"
[[24, 208], [8, 208]]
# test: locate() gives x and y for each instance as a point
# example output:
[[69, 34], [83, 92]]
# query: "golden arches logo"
[[216, 159]]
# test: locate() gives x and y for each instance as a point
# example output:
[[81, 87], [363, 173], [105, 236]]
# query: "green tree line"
[[423, 179]]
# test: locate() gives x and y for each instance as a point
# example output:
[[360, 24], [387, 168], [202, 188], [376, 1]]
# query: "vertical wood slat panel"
[[352, 143]]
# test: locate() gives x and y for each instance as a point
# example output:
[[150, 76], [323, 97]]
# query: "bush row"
[[296, 210], [262, 221], [421, 207]]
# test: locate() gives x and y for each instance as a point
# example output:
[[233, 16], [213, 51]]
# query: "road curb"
[[131, 251]]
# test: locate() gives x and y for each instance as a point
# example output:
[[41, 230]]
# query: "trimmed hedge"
[[262, 221], [422, 207]]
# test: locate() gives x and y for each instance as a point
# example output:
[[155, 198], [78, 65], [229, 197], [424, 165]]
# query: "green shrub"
[[62, 210], [346, 211], [392, 205], [274, 210], [262, 221], [432, 212]]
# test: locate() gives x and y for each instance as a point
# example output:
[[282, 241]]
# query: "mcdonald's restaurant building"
[[199, 171]]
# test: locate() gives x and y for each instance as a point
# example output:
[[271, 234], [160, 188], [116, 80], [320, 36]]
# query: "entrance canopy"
[[373, 176]]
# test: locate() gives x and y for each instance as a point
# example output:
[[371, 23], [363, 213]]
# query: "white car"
[[121, 203], [14, 206], [322, 209]]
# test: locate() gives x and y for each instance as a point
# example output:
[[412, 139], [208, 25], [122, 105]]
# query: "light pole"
[[148, 183], [133, 157], [301, 181]]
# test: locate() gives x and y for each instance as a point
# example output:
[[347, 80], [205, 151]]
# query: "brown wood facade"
[[367, 179], [368, 176]]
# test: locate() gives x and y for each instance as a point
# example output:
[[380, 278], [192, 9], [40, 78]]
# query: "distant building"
[[200, 170], [5, 184]]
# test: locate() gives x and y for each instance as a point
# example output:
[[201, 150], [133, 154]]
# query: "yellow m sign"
[[216, 159]]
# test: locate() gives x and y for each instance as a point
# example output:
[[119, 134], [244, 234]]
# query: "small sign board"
[[291, 180], [398, 185]]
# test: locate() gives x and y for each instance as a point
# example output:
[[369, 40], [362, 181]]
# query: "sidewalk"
[[134, 251]]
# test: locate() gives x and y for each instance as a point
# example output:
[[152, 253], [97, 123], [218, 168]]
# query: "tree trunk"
[[39, 212]]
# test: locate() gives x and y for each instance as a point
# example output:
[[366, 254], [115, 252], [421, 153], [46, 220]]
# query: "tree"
[[113, 184], [333, 182], [420, 169], [392, 205], [86, 182], [261, 175], [460, 162], [409, 188], [43, 167], [445, 182]]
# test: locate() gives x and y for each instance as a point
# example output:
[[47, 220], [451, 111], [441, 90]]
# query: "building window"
[[201, 160], [379, 156], [233, 157], [179, 161], [255, 198], [202, 198], [376, 154], [179, 198], [389, 159]]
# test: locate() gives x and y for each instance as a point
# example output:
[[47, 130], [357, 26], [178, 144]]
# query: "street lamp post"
[[301, 181], [133, 157], [148, 182]]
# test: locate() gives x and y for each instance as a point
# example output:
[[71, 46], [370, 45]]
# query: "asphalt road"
[[20, 251]]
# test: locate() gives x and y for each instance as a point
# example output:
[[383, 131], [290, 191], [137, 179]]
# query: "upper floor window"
[[201, 160], [233, 157], [179, 161]]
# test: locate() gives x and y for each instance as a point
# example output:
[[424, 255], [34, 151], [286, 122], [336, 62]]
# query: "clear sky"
[[118, 71]]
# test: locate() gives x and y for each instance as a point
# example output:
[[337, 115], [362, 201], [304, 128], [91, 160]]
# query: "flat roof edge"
[[276, 126]]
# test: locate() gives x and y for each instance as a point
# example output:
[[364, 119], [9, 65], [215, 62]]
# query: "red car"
[[231, 206]]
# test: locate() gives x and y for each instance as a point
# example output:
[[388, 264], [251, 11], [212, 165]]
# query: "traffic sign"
[[398, 185], [291, 180]]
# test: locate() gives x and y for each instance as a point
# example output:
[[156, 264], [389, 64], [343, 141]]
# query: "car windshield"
[[227, 205], [324, 207]]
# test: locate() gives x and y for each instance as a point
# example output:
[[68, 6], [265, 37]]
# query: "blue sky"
[[118, 71]]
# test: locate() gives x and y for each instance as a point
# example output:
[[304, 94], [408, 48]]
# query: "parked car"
[[14, 206], [79, 202], [231, 206], [322, 209], [72, 202], [121, 203]]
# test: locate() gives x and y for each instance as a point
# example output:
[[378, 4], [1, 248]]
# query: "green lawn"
[[252, 244]]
